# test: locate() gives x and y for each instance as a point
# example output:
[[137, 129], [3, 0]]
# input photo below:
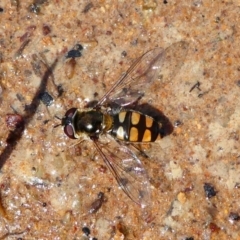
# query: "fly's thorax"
[[89, 122], [133, 126]]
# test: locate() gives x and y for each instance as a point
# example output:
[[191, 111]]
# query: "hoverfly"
[[113, 117]]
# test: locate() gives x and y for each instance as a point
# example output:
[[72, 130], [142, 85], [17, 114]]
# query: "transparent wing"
[[127, 170], [155, 66]]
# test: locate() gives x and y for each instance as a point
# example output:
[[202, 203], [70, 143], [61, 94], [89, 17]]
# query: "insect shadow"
[[21, 123], [14, 136]]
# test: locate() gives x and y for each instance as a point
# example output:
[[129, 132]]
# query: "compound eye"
[[67, 122], [69, 131], [70, 112]]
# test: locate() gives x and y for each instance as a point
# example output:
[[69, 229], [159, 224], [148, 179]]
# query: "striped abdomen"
[[133, 126]]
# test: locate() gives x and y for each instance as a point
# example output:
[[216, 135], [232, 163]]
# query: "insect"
[[113, 125]]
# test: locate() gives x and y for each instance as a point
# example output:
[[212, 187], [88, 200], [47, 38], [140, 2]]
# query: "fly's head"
[[69, 124], [77, 123]]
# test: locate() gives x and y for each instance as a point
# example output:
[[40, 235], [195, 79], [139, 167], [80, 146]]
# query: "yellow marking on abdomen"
[[135, 118], [122, 116], [149, 122], [147, 136], [133, 134], [120, 133]]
